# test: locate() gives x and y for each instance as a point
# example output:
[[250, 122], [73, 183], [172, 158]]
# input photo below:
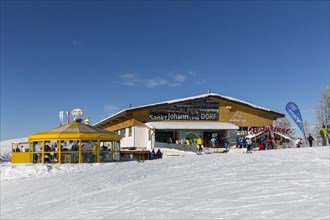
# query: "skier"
[[310, 140], [237, 142], [249, 143], [199, 142], [299, 142], [227, 144], [324, 134]]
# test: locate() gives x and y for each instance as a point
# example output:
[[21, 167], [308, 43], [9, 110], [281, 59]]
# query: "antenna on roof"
[[209, 91], [130, 105]]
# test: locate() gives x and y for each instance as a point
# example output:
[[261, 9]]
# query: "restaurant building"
[[211, 117]]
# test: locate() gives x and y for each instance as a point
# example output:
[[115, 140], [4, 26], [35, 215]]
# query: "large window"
[[242, 131], [51, 152], [70, 151], [106, 151], [89, 151], [37, 151], [123, 132], [130, 132]]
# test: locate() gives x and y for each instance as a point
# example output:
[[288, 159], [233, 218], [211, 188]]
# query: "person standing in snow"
[[240, 143], [324, 135], [226, 144], [249, 144], [199, 142], [328, 130], [237, 142], [152, 154], [299, 142], [159, 154], [268, 142], [52, 154], [244, 142], [263, 142], [310, 140]]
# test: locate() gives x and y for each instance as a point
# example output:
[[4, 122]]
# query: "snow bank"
[[277, 184], [5, 148]]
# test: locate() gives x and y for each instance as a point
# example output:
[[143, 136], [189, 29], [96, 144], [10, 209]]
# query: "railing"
[[181, 147]]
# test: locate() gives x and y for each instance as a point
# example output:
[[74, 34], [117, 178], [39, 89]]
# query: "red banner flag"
[[68, 115]]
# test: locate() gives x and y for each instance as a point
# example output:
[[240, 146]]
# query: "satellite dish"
[[77, 112]]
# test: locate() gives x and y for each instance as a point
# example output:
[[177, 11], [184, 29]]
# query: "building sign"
[[77, 112], [207, 110], [256, 130], [238, 117]]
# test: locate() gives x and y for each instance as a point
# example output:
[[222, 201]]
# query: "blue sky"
[[102, 56]]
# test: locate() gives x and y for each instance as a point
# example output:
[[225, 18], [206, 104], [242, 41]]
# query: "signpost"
[[77, 113]]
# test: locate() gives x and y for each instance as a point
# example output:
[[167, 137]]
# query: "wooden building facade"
[[209, 116]]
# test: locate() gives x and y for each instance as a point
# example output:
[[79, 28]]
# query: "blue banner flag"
[[294, 112]]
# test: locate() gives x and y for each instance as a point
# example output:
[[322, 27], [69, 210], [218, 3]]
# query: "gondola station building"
[[179, 123]]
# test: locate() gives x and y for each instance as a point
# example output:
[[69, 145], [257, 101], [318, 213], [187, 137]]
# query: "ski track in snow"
[[277, 184]]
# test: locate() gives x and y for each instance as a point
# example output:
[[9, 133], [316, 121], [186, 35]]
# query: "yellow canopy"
[[76, 130]]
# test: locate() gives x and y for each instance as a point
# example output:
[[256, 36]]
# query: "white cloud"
[[111, 109], [175, 80], [133, 79], [154, 82], [192, 73], [129, 76], [201, 82], [179, 78], [77, 43]]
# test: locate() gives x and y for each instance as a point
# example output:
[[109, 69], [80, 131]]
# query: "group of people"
[[324, 136], [157, 155], [17, 149], [242, 142]]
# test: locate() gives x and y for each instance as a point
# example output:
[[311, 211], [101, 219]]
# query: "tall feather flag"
[[61, 117], [294, 112], [68, 117]]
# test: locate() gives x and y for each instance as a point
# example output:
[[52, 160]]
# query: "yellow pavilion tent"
[[71, 143]]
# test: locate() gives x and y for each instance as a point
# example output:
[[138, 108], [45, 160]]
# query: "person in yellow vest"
[[200, 143], [324, 135]]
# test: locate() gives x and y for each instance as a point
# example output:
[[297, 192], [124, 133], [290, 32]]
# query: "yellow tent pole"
[[43, 152], [79, 157], [59, 151], [98, 151]]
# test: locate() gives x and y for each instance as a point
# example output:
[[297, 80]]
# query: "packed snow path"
[[277, 184]]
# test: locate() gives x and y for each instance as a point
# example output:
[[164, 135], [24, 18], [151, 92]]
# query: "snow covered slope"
[[277, 184], [5, 148]]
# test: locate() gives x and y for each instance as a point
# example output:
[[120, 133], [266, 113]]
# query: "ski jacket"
[[310, 138], [323, 132]]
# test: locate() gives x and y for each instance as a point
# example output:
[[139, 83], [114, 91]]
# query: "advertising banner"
[[294, 112], [61, 118], [196, 110], [68, 114]]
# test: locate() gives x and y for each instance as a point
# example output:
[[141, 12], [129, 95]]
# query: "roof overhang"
[[182, 125], [171, 102]]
